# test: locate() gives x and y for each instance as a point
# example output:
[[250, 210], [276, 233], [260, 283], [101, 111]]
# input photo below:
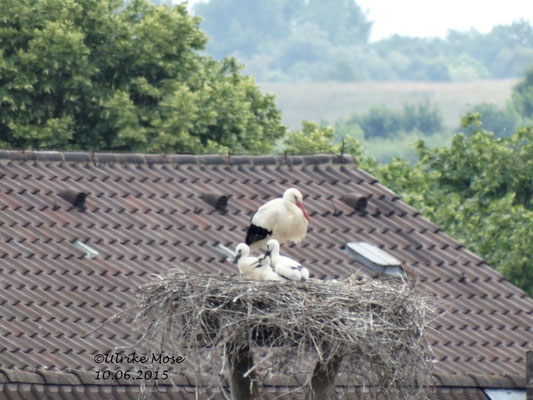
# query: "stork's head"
[[294, 196], [272, 247], [241, 251]]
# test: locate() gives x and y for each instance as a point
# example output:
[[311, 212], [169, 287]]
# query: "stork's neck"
[[292, 208], [274, 255]]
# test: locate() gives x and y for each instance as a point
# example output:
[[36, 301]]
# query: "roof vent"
[[77, 199], [374, 258], [89, 252], [216, 200], [357, 201]]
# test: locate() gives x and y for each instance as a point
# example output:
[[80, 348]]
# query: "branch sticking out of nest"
[[371, 330]]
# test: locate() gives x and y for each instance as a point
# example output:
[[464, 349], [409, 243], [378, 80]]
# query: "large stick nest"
[[375, 326]]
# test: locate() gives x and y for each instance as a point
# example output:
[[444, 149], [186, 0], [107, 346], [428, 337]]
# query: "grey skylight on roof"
[[89, 251], [374, 258], [230, 254], [505, 394]]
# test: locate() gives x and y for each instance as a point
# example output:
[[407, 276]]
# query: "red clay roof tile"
[[145, 216]]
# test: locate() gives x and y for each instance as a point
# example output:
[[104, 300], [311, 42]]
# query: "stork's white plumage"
[[264, 271], [284, 266], [252, 267], [243, 260], [284, 219]]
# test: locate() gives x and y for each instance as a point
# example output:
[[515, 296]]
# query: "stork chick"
[[284, 266], [253, 267]]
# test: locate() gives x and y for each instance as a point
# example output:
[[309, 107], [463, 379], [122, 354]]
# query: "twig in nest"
[[375, 328]]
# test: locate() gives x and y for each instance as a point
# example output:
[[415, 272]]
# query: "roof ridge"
[[140, 158]]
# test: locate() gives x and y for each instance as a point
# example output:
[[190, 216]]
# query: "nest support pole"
[[243, 383], [323, 379]]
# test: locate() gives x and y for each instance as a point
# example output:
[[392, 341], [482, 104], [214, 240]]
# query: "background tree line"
[[79, 75], [298, 40]]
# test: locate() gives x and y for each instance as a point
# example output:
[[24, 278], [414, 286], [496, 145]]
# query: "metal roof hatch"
[[376, 259], [505, 394], [230, 254], [90, 253]]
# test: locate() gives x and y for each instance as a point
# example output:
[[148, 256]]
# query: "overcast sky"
[[435, 17], [428, 18]]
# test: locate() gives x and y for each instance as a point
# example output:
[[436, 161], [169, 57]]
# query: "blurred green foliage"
[[94, 75], [479, 190], [313, 139], [501, 122], [523, 95], [383, 122], [297, 40]]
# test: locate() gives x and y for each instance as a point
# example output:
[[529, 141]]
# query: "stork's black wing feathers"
[[256, 233], [284, 277]]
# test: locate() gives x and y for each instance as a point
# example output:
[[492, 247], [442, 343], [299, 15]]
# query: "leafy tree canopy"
[[78, 74], [523, 95], [255, 26], [313, 40], [478, 188], [502, 122], [381, 121], [313, 139], [479, 191]]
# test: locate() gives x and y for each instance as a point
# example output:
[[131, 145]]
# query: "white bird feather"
[[284, 219], [284, 266], [253, 267]]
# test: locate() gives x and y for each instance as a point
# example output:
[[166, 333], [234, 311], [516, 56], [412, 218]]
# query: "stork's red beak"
[[301, 207]]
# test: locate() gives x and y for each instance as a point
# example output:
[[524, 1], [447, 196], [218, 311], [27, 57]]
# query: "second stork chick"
[[285, 266]]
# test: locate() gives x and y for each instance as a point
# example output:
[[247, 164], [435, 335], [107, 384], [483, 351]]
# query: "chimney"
[[355, 200], [74, 197], [216, 200]]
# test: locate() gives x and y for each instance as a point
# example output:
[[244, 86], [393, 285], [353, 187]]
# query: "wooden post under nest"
[[323, 380], [241, 360]]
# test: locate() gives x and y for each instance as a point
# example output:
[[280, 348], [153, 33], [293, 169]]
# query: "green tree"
[[383, 122], [343, 20], [423, 117], [522, 96], [287, 39], [479, 191], [502, 122], [313, 139], [380, 121], [245, 27], [506, 51], [89, 74]]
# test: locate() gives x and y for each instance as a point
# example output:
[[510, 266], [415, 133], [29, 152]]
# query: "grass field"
[[329, 101]]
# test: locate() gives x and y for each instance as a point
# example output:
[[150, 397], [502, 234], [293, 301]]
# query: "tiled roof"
[[61, 385], [146, 214]]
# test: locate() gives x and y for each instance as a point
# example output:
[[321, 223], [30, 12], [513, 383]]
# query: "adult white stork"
[[253, 267], [282, 219], [284, 266]]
